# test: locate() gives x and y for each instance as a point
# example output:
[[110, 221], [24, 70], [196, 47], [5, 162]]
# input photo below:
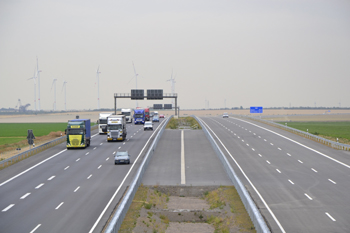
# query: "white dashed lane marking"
[[290, 181], [25, 195], [333, 219], [59, 206], [66, 168], [308, 196], [77, 189], [51, 177], [39, 186], [332, 181], [35, 228], [8, 207]]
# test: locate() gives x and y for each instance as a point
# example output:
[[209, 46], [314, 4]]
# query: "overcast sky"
[[268, 53]]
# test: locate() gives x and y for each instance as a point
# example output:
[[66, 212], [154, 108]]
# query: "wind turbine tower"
[[136, 74], [172, 82], [38, 77], [65, 96], [34, 79], [54, 85], [98, 86]]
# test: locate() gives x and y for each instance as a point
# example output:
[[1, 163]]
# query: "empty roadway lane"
[[299, 185]]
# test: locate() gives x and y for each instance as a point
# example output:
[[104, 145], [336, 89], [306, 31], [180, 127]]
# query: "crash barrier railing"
[[122, 209], [35, 150], [330, 143], [248, 202]]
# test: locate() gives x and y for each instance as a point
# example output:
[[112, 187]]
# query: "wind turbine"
[[38, 77], [54, 84], [65, 96], [172, 80], [34, 79], [98, 86]]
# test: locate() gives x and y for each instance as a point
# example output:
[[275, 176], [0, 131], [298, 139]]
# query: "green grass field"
[[333, 130], [15, 132]]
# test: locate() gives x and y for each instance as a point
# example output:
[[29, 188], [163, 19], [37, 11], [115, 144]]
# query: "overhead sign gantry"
[[139, 94]]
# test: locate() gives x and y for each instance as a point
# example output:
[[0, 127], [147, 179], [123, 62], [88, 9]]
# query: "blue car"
[[155, 118]]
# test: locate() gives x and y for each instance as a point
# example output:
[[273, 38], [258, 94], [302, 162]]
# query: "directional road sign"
[[256, 109]]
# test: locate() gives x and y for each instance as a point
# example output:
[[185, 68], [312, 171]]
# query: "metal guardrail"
[[122, 209], [35, 150], [248, 202], [327, 142]]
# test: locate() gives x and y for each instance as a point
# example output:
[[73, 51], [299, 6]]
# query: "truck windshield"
[[126, 113], [114, 127], [75, 131], [138, 115], [103, 121]]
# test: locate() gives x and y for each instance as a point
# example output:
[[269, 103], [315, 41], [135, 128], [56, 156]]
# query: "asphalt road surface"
[[185, 157], [63, 190], [299, 185]]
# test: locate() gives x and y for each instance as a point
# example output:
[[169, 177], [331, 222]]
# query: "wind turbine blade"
[[53, 81], [134, 69], [130, 80]]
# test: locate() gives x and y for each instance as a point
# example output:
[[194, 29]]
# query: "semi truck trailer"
[[127, 113], [139, 116], [102, 122], [116, 128], [78, 133]]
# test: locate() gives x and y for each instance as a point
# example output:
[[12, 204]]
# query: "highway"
[[299, 185], [62, 190]]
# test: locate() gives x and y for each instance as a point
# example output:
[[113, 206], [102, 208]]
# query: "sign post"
[[30, 137]]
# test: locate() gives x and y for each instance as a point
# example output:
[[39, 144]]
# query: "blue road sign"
[[256, 109]]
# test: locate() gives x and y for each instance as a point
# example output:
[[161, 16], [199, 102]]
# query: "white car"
[[122, 157], [225, 115], [148, 125]]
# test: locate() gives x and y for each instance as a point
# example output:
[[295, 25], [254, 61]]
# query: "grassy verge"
[[228, 196], [183, 121], [147, 198], [328, 130], [16, 132]]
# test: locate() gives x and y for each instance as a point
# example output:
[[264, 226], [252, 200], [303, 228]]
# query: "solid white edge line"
[[35, 228], [183, 177], [8, 207], [5, 182], [249, 181], [298, 143], [121, 184], [330, 216]]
